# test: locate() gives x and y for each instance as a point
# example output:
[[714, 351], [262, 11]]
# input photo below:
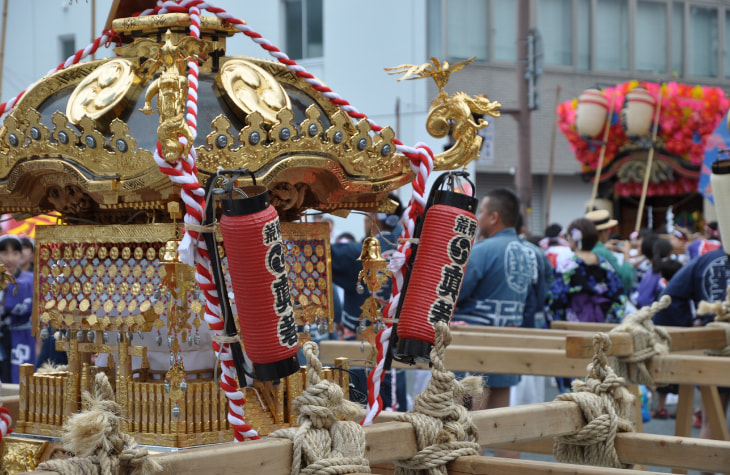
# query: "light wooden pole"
[[599, 167], [552, 160], [649, 161], [2, 43]]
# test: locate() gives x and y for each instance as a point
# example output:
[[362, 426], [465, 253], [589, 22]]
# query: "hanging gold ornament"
[[374, 275]]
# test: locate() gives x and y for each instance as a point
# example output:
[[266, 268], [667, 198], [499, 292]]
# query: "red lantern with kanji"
[[444, 244], [257, 266]]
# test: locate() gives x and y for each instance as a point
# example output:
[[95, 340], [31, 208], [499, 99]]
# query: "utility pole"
[[527, 100], [523, 175]]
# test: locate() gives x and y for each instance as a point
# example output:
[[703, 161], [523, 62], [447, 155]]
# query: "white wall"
[[570, 194]]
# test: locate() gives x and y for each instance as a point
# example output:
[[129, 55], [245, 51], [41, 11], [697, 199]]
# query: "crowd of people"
[[580, 272]]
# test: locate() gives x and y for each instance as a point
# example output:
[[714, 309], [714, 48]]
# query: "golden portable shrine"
[[150, 158]]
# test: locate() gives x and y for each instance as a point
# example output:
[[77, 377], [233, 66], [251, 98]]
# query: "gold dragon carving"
[[171, 87], [451, 113]]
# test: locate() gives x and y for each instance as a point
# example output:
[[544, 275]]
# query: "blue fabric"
[[542, 273], [624, 270], [345, 269], [496, 282], [649, 289], [587, 293], [49, 354], [704, 278], [18, 346]]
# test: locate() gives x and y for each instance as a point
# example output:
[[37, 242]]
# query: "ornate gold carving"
[[451, 113], [20, 455], [171, 88], [252, 89], [102, 91]]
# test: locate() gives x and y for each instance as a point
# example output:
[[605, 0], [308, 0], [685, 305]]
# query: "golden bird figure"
[[440, 72]]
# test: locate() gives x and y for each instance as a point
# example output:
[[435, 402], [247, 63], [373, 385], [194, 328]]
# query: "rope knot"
[[607, 407], [94, 436], [722, 320], [649, 340], [444, 428], [327, 441]]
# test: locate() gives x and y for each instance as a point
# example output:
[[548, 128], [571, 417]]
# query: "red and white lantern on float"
[[590, 115], [445, 237], [257, 266], [720, 183], [637, 114]]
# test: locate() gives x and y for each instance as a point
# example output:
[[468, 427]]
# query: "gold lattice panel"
[[110, 272]]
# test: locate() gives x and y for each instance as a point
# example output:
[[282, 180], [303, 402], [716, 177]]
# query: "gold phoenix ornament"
[[451, 112], [171, 88]]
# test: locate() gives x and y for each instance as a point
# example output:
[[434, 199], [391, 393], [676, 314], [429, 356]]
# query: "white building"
[[348, 44]]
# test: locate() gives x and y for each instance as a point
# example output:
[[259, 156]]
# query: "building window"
[[67, 45], [650, 37], [677, 39], [703, 45], [460, 29], [727, 44], [583, 35], [304, 28], [467, 29], [612, 35], [555, 22], [504, 30]]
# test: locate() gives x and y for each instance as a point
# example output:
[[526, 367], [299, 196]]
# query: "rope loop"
[[327, 441], [444, 428], [722, 320], [649, 340], [608, 408], [95, 437]]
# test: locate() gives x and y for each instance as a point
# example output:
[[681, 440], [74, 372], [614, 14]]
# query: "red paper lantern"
[[434, 282], [256, 263]]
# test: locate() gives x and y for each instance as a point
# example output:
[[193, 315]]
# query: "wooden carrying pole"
[[649, 161], [390, 441], [599, 167]]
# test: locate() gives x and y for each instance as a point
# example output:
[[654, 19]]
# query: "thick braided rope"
[[649, 341], [444, 428], [95, 437], [422, 165], [608, 408], [722, 320], [327, 440]]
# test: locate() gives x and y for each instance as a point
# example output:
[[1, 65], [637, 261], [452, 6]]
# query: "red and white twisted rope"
[[422, 167], [184, 173], [5, 420]]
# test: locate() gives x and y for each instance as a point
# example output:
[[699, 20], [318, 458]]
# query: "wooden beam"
[[681, 369], [581, 326], [517, 330], [509, 340], [684, 339], [496, 426], [476, 465]]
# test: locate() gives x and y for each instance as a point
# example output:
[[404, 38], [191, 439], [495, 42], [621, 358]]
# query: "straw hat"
[[602, 219]]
